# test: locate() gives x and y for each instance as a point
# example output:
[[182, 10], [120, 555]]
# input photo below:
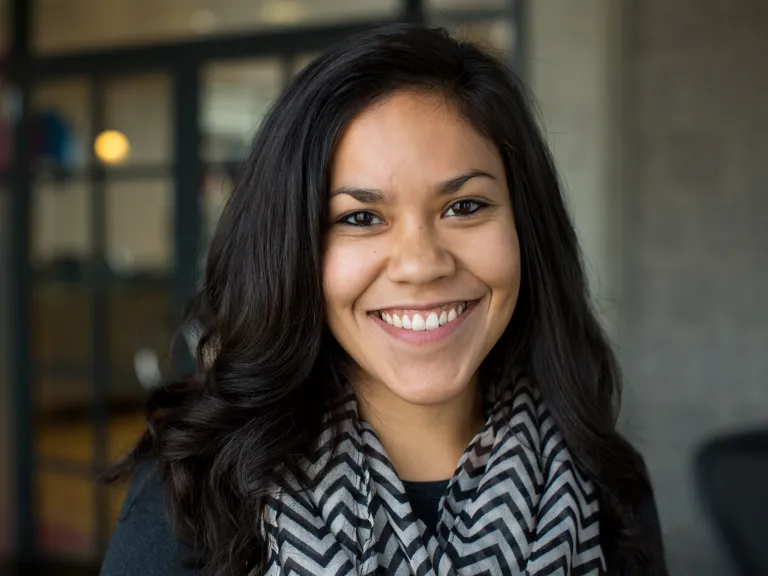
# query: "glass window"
[[61, 225], [62, 419], [468, 5], [236, 96], [138, 110], [216, 192], [141, 324], [61, 124], [497, 36], [139, 226], [302, 61], [61, 324], [65, 515], [116, 496], [125, 429], [66, 511], [65, 25], [63, 406]]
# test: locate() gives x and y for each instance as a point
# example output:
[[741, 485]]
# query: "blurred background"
[[122, 123]]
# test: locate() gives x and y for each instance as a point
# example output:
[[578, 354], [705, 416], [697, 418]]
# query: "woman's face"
[[422, 261]]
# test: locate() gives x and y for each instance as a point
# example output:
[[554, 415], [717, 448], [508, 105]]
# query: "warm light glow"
[[282, 12], [202, 21], [112, 147]]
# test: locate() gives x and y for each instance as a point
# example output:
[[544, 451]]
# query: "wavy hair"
[[266, 363]]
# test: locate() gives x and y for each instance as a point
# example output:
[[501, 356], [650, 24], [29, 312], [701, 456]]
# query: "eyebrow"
[[446, 188]]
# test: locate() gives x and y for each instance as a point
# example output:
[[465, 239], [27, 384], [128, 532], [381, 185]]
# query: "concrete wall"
[[656, 112], [694, 320], [572, 65]]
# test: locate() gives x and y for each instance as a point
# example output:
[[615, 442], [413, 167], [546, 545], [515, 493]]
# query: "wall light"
[[112, 147]]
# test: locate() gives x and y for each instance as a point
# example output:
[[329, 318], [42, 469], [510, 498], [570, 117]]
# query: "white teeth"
[[418, 324]]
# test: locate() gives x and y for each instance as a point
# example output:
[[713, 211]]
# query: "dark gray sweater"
[[143, 545]]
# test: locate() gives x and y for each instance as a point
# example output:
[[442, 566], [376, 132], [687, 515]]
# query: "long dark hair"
[[266, 364]]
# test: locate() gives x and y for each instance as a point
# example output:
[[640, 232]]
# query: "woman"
[[400, 372]]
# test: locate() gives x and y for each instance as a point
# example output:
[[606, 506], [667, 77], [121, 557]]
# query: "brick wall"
[[694, 315]]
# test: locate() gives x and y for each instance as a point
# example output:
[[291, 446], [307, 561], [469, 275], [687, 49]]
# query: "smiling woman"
[[400, 372], [414, 248]]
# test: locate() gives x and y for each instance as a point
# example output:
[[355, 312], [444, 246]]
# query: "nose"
[[418, 256]]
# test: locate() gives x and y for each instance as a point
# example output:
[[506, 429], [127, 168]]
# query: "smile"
[[422, 326], [423, 319]]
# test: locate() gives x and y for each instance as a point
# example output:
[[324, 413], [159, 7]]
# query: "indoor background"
[[122, 123]]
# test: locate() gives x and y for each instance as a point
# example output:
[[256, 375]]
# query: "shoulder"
[[646, 514], [142, 542]]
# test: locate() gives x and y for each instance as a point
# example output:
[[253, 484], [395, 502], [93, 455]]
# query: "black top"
[[143, 545], [425, 500]]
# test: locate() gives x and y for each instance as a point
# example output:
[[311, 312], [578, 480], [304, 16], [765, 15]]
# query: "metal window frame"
[[184, 61]]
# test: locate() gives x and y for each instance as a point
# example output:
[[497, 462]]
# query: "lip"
[[425, 336], [422, 306]]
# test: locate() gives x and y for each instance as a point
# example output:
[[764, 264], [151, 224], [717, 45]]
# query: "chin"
[[414, 387]]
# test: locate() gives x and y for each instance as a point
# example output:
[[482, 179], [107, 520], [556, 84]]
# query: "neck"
[[424, 443]]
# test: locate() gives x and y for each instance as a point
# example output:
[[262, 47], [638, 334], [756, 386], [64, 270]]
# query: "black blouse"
[[425, 500]]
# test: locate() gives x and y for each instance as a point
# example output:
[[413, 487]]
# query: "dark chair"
[[732, 477]]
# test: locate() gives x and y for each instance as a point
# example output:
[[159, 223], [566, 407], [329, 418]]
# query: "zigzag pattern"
[[516, 505]]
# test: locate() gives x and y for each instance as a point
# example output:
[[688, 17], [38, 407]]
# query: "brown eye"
[[360, 219], [464, 208]]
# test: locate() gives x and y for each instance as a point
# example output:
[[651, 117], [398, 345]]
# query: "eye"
[[360, 219], [464, 208]]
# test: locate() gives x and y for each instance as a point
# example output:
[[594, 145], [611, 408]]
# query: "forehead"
[[414, 137]]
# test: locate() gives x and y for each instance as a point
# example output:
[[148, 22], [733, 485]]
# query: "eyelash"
[[477, 203], [345, 220]]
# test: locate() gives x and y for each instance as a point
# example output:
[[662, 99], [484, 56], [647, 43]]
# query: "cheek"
[[497, 268], [347, 272]]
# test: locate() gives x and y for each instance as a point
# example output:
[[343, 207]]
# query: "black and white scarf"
[[516, 504]]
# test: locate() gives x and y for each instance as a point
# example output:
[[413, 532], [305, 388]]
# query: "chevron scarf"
[[516, 504]]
